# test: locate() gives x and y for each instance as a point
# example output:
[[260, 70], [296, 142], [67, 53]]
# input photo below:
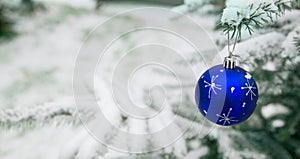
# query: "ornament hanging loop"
[[230, 51], [231, 60]]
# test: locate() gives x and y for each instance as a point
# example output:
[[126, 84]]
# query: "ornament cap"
[[230, 62]]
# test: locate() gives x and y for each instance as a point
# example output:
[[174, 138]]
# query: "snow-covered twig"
[[248, 15], [38, 115]]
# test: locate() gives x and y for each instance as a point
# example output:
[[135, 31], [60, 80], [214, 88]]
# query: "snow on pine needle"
[[248, 15], [297, 43], [190, 6], [53, 113]]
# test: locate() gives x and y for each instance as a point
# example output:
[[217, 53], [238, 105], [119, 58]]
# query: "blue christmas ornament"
[[226, 94]]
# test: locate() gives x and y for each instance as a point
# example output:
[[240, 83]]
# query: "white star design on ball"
[[212, 86], [226, 118], [250, 88]]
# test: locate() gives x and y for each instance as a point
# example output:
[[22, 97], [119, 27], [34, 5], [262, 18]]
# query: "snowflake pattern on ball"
[[225, 118], [212, 86], [250, 88]]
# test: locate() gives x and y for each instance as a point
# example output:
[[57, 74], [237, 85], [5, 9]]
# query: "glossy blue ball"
[[226, 96]]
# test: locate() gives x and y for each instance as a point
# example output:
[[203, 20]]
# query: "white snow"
[[290, 17], [278, 123], [271, 110], [194, 144], [269, 66], [40, 113], [44, 142], [255, 47], [189, 5], [224, 138], [289, 45], [197, 153], [90, 4]]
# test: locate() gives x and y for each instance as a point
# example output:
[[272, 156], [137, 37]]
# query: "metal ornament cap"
[[230, 62]]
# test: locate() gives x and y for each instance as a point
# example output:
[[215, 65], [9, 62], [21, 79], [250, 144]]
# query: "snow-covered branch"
[[39, 115], [249, 15]]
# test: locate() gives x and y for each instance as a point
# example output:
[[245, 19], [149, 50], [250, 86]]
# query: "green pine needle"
[[297, 43], [255, 20]]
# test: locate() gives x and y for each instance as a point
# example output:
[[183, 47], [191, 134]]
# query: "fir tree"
[[5, 22], [262, 136], [275, 65]]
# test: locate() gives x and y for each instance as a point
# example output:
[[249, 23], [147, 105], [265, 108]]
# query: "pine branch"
[[256, 16], [265, 144], [297, 43], [190, 6], [6, 22], [40, 115]]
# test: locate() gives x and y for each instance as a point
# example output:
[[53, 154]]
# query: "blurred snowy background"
[[39, 42]]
